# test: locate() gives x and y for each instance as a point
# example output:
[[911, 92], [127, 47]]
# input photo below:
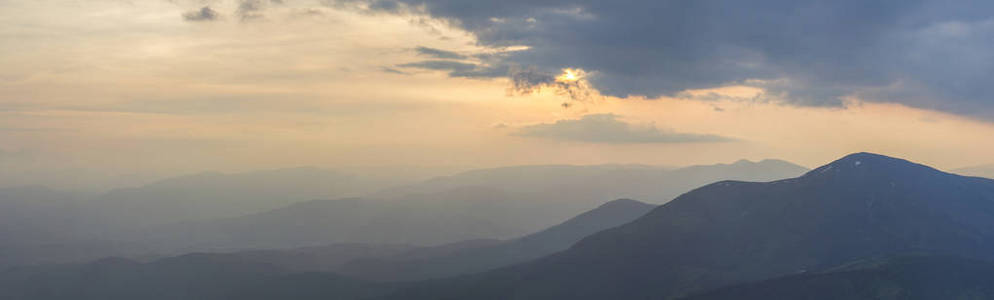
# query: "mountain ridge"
[[477, 259], [732, 231]]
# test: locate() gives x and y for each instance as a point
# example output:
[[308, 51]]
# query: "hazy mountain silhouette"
[[861, 206], [481, 258], [986, 171], [545, 195], [319, 258], [227, 212], [330, 258], [485, 204], [213, 195], [289, 274], [353, 220], [916, 277], [593, 184], [374, 261], [41, 225], [32, 214]]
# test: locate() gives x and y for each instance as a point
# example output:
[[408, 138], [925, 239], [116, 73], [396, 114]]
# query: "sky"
[[117, 92]]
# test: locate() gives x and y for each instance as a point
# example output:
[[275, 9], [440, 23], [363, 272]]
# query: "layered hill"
[[212, 195], [293, 274], [481, 258], [485, 204], [861, 206]]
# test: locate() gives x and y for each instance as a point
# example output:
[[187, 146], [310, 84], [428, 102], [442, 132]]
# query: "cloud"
[[249, 10], [528, 80], [923, 53], [441, 65], [523, 80], [394, 71], [459, 69], [204, 14], [607, 129], [238, 104], [438, 53]]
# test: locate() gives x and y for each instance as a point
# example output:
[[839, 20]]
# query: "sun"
[[570, 75]]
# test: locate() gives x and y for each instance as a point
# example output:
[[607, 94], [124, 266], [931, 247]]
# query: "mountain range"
[[213, 195], [291, 274], [498, 203], [865, 226], [484, 257], [858, 207]]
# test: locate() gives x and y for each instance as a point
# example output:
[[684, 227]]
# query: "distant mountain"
[[41, 225], [276, 209], [911, 278], [533, 198], [485, 204], [34, 214], [979, 171], [214, 195], [379, 261], [476, 259], [592, 184], [861, 206], [353, 220], [319, 258], [290, 274], [330, 258]]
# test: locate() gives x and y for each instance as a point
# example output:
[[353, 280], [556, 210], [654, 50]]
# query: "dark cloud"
[[203, 14], [924, 53], [459, 69], [392, 70], [309, 12], [438, 53], [441, 65], [252, 9], [524, 80], [606, 128], [528, 80]]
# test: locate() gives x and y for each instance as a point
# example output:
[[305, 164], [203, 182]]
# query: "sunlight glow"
[[570, 75]]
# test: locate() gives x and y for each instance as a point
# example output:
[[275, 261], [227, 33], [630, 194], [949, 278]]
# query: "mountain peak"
[[743, 162], [865, 164], [867, 156], [623, 202]]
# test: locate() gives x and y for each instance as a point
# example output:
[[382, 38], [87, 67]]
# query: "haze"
[[496, 149]]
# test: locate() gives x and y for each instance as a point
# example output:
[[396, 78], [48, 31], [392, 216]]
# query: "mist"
[[562, 149]]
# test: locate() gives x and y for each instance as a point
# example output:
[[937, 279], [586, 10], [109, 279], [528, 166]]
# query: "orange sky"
[[115, 87]]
